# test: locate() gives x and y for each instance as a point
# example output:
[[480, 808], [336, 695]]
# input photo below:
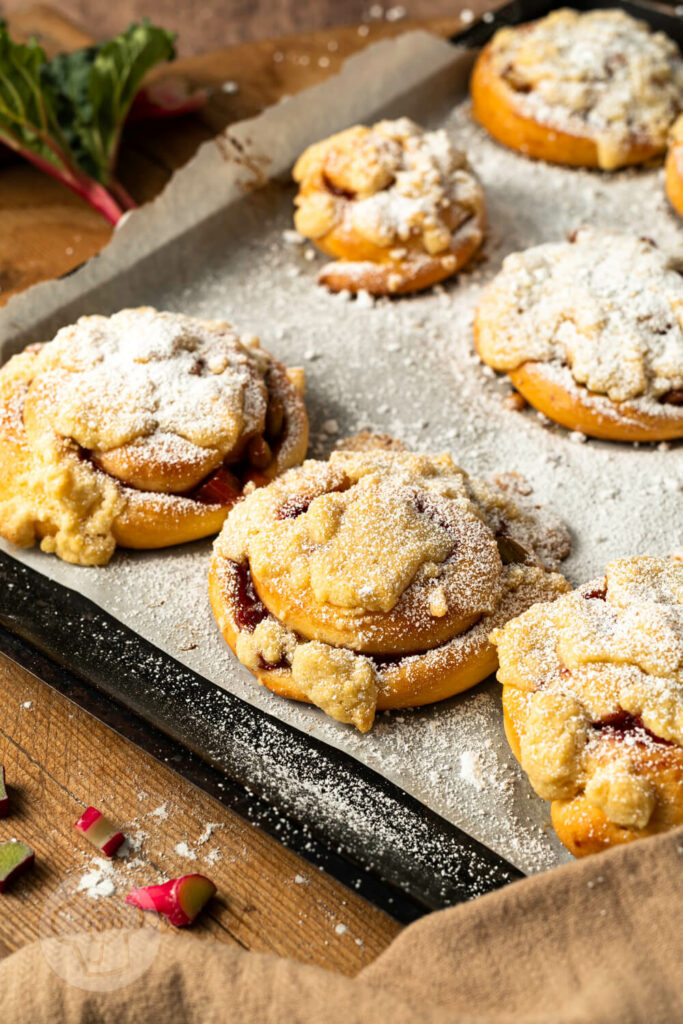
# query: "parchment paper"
[[213, 245]]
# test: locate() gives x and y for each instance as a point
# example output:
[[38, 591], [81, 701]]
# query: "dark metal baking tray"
[[405, 859], [386, 845]]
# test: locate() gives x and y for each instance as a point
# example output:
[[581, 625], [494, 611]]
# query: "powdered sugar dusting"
[[471, 768], [98, 882], [607, 305], [140, 372], [600, 74], [408, 368], [184, 850]]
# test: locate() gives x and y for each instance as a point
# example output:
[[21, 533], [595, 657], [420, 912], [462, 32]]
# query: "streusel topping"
[[117, 379], [51, 485], [150, 389], [600, 74], [405, 183], [608, 653], [378, 525], [608, 306], [378, 553]]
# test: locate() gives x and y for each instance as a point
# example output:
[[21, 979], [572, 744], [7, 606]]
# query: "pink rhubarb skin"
[[4, 798], [167, 97], [89, 189], [15, 858], [101, 832], [180, 900]]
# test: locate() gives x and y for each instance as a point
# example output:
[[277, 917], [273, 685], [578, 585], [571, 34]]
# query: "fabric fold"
[[591, 943]]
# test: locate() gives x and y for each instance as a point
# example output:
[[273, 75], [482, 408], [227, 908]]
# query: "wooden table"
[[58, 759]]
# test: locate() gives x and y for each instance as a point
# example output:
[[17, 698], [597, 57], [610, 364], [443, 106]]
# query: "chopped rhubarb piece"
[[100, 831], [179, 900], [221, 488], [15, 857], [4, 798]]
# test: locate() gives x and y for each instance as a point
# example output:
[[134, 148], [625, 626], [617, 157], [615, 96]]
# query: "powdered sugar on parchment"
[[407, 367]]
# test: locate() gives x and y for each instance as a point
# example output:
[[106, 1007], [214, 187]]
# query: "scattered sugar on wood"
[[99, 880], [211, 827]]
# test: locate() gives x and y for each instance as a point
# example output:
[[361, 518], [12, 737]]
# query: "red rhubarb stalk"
[[89, 189], [100, 831], [179, 900]]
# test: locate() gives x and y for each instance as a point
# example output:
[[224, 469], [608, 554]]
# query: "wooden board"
[[58, 760]]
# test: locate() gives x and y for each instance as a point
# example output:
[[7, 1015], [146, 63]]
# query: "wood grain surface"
[[59, 760], [203, 26]]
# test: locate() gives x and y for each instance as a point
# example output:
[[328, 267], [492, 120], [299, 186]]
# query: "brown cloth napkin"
[[596, 941]]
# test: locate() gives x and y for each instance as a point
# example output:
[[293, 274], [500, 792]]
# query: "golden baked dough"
[[397, 207], [139, 429], [593, 89], [372, 580], [674, 167], [593, 703], [590, 332]]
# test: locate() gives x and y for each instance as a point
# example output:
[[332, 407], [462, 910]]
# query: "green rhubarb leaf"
[[27, 112], [66, 115], [95, 87], [67, 79]]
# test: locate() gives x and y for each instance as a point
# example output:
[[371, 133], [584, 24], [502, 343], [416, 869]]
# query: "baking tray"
[[406, 860], [332, 809]]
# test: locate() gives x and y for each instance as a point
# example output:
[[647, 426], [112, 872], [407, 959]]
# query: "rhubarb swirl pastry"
[[597, 89], [593, 702], [590, 332], [372, 580], [397, 207], [139, 429]]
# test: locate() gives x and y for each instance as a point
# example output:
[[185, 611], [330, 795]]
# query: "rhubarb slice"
[[15, 857], [221, 488], [180, 900], [4, 798], [100, 831]]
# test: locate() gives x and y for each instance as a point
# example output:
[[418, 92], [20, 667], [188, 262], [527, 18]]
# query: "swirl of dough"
[[397, 207], [140, 429], [593, 701], [390, 557]]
